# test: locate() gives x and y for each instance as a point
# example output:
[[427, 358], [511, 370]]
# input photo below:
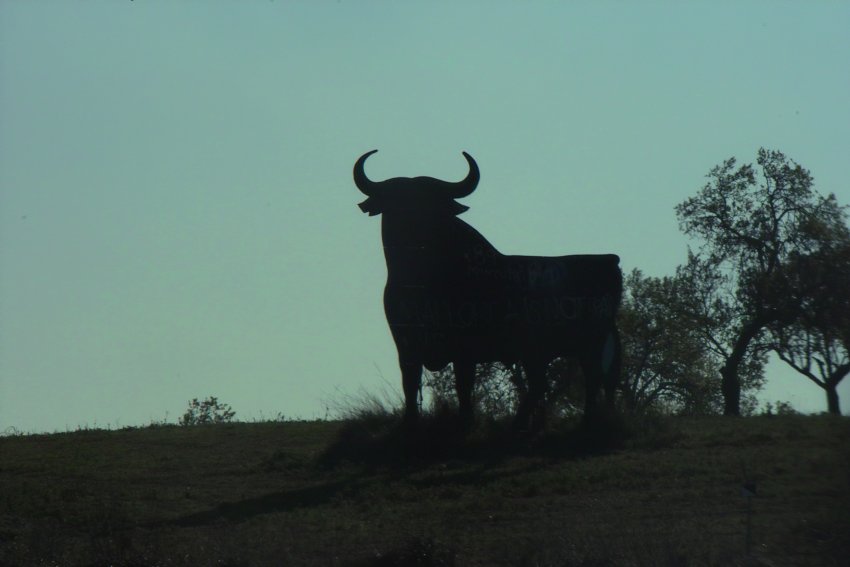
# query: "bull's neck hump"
[[416, 248]]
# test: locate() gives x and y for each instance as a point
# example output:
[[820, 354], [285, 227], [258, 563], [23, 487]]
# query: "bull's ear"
[[371, 206], [456, 208]]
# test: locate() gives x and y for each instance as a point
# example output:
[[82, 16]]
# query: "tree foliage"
[[665, 362], [496, 392], [207, 411], [816, 343], [751, 222], [704, 306]]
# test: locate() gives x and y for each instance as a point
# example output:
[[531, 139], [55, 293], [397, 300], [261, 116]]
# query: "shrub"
[[207, 411], [780, 408]]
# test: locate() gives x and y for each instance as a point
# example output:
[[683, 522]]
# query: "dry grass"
[[363, 492]]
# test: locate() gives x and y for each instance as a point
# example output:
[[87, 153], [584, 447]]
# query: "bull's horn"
[[467, 186], [366, 186]]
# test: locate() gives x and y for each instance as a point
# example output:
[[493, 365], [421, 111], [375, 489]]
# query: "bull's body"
[[452, 297]]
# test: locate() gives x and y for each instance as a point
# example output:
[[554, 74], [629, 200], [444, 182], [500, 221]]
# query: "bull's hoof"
[[600, 416], [466, 422], [538, 423], [521, 426], [410, 421]]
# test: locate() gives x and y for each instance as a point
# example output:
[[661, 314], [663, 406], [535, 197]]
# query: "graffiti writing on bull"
[[428, 312]]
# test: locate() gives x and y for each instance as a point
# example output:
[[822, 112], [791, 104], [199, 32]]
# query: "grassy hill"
[[331, 493]]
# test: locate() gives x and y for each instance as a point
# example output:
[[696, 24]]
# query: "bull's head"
[[414, 193]]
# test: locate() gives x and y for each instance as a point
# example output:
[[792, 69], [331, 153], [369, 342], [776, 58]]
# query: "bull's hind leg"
[[411, 381], [531, 412], [612, 359], [600, 363], [464, 384], [591, 367]]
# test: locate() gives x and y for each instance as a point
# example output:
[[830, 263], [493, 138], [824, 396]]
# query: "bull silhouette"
[[452, 297]]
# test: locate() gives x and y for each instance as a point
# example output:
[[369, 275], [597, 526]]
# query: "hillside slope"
[[288, 494]]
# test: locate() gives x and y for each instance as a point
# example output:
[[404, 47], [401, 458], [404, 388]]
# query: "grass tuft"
[[376, 435]]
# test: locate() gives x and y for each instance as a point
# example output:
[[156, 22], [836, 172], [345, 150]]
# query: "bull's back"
[[508, 305], [581, 274]]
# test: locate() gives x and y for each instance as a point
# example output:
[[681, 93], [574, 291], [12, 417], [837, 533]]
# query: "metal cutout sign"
[[452, 297]]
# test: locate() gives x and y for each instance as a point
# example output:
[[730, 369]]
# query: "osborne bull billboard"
[[451, 297]]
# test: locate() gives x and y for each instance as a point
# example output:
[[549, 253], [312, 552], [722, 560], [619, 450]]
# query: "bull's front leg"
[[411, 382], [464, 385]]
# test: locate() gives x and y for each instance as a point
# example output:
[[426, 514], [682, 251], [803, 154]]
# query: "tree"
[[665, 362], [817, 342], [704, 306], [751, 224]]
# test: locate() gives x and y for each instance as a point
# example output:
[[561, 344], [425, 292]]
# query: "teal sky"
[[177, 216]]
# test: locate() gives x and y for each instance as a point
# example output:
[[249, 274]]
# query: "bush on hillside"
[[207, 411]]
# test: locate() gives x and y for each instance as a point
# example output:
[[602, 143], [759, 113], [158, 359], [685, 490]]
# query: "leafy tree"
[[817, 342], [665, 363], [751, 223], [780, 408], [703, 305]]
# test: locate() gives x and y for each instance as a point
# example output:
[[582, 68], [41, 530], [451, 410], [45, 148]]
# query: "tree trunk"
[[730, 385], [832, 400]]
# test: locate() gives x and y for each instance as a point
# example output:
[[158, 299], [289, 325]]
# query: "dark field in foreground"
[[328, 493]]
